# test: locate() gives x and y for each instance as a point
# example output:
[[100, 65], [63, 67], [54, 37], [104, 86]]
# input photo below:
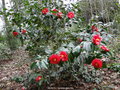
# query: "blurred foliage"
[[115, 67], [91, 75], [4, 50], [104, 9]]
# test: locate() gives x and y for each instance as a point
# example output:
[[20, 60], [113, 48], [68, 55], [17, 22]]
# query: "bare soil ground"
[[15, 67]]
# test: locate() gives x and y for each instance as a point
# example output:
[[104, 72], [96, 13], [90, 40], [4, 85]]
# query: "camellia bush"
[[69, 61], [57, 53]]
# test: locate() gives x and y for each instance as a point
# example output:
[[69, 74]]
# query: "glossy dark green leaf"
[[33, 65]]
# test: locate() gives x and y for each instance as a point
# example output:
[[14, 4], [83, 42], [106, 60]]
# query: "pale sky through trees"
[[7, 5]]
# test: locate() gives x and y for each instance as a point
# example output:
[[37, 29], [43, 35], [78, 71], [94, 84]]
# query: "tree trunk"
[[11, 42]]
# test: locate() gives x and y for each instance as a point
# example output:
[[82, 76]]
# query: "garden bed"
[[111, 79]]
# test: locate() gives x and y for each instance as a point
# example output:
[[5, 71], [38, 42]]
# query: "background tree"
[[11, 42]]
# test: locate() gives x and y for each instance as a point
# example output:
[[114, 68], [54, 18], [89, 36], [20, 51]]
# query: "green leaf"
[[33, 65], [110, 54], [18, 79], [104, 42], [1, 13], [71, 57], [89, 59], [40, 82], [76, 54], [86, 45], [43, 64], [71, 45], [75, 6], [53, 11], [104, 65]]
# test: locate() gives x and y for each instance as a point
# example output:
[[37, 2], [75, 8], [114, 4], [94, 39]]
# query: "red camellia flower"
[[94, 28], [59, 14], [23, 88], [45, 11], [97, 63], [38, 78], [15, 33], [80, 40], [23, 31], [55, 12], [104, 48], [96, 39], [64, 56], [54, 59], [70, 15]]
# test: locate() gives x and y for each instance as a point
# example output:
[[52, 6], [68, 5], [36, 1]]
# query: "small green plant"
[[115, 67]]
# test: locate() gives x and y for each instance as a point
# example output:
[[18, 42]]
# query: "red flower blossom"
[[97, 63], [23, 31], [104, 48], [23, 88], [80, 40], [55, 12], [64, 56], [81, 46], [59, 14], [15, 33], [54, 59], [94, 28], [96, 39], [45, 11], [38, 78], [70, 15], [85, 64]]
